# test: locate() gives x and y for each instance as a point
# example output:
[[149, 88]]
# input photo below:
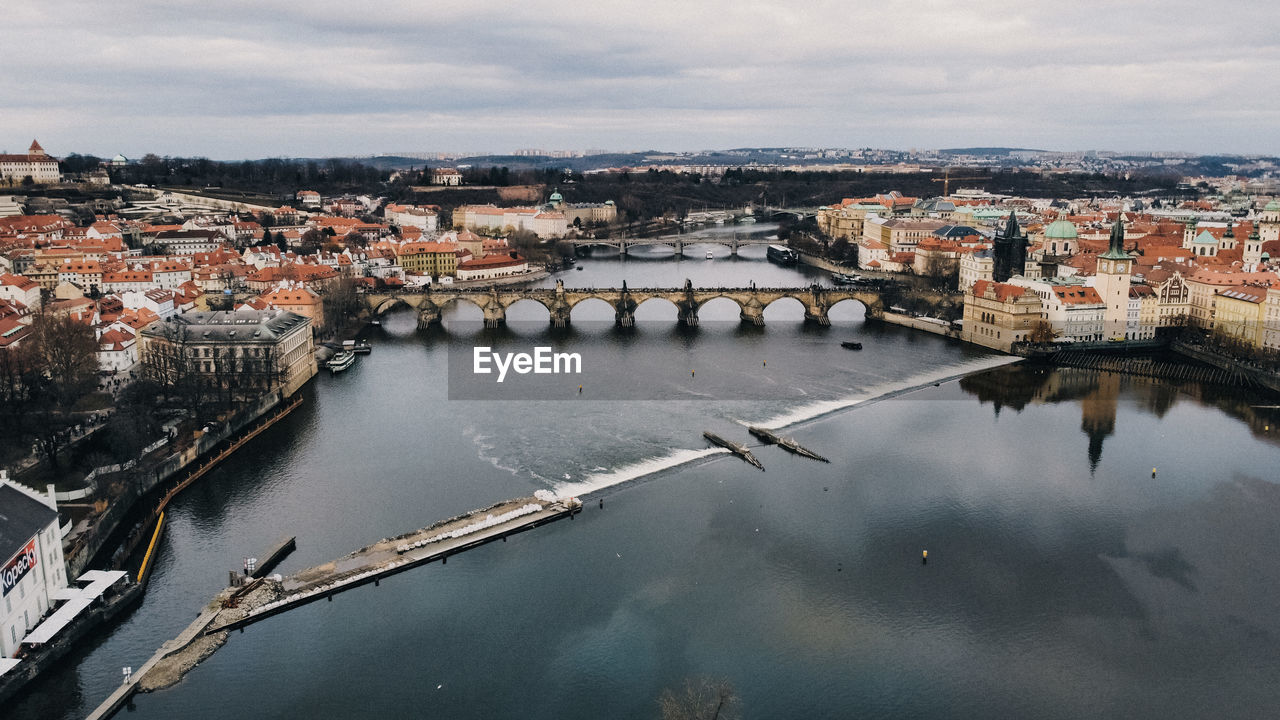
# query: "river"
[[1063, 579]]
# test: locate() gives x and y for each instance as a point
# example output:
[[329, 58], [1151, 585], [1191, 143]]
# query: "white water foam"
[[886, 390], [595, 483]]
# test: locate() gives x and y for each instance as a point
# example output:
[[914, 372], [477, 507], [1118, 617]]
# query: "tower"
[[1115, 266], [1269, 222], [1188, 234], [1253, 247], [1010, 252], [1228, 241]]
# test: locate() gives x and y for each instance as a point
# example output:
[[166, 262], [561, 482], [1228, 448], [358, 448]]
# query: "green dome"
[[1272, 206], [557, 197], [1061, 230]]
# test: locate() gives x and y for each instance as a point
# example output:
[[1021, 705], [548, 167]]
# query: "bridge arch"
[[715, 313], [389, 303], [527, 310], [596, 309], [656, 308], [461, 305], [851, 309], [786, 308]]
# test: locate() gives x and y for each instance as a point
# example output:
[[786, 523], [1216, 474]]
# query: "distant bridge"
[[677, 242], [559, 301]]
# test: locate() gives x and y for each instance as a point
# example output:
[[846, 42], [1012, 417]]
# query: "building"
[[446, 176], [209, 339], [1009, 253], [997, 315], [1060, 238], [34, 570], [429, 258], [492, 266], [299, 299], [1115, 267], [899, 234], [975, 266], [190, 242], [404, 216], [1073, 311], [20, 288], [1241, 313], [35, 164]]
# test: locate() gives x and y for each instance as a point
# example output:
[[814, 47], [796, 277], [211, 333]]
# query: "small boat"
[[710, 255], [579, 268], [341, 361], [851, 345], [360, 347], [375, 322]]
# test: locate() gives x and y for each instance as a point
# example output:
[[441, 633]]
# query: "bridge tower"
[[815, 310], [560, 310], [687, 306], [624, 311]]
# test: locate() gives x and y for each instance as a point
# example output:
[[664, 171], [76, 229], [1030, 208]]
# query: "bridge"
[[560, 301], [733, 242]]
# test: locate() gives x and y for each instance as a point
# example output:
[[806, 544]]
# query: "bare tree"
[[700, 699]]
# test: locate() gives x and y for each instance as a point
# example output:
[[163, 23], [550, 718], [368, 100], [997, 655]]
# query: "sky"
[[246, 79]]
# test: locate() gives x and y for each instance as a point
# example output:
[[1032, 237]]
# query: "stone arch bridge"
[[560, 301], [676, 242]]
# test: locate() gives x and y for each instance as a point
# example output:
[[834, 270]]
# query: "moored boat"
[[851, 345], [341, 361]]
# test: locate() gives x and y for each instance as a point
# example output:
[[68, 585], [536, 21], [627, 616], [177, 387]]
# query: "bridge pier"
[[752, 312], [817, 314], [688, 313]]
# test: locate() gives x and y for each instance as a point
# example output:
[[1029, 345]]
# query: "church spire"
[[1011, 229], [1116, 250]]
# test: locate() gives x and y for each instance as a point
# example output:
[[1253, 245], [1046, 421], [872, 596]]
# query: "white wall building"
[[34, 569]]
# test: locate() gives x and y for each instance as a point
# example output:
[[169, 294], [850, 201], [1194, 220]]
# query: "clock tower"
[[1115, 267]]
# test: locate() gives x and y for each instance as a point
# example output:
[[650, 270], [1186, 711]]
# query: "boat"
[[360, 347], [710, 255], [851, 345], [781, 254], [375, 323], [747, 219], [341, 361], [579, 268]]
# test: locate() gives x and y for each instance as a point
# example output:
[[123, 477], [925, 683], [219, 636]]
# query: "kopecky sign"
[[18, 567]]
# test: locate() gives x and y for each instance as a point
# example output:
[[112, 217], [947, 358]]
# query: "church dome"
[[1272, 206], [1061, 230], [557, 197]]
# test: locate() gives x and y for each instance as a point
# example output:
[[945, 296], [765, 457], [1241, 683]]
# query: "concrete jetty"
[[262, 597], [733, 447], [786, 443]]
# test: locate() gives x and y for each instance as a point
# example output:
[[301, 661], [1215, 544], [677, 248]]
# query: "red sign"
[[18, 567]]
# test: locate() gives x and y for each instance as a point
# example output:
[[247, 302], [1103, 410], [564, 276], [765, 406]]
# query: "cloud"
[[227, 79]]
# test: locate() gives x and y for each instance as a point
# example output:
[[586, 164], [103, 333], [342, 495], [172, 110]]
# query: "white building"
[[161, 302], [20, 288], [34, 570], [1074, 311], [117, 348], [411, 216], [34, 164]]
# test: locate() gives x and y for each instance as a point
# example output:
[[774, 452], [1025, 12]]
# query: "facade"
[[35, 164], [190, 242], [975, 266], [493, 266], [446, 176], [34, 569], [490, 217], [411, 216], [299, 299], [1240, 313], [20, 288], [997, 315], [253, 336], [899, 235], [1115, 267], [1074, 311], [429, 258]]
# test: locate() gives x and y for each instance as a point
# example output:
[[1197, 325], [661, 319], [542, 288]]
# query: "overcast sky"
[[262, 78]]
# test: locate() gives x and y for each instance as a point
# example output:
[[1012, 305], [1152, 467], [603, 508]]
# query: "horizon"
[[270, 79]]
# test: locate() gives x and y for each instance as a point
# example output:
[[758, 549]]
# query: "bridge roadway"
[[560, 301], [678, 242]]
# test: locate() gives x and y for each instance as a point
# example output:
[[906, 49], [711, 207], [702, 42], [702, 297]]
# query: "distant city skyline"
[[243, 79]]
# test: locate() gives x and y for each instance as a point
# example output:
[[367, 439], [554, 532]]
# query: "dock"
[[786, 443], [236, 607], [733, 447], [278, 552]]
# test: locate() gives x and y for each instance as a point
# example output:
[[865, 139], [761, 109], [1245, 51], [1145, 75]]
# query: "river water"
[[1063, 579]]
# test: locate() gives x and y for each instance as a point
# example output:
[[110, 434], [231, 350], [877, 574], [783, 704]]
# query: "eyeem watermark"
[[543, 361]]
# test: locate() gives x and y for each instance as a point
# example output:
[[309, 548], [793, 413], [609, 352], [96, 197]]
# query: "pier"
[[786, 443], [733, 447], [265, 596]]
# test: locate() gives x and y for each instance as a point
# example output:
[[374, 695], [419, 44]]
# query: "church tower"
[[1188, 234], [1115, 266], [1253, 247], [1269, 222], [1010, 252]]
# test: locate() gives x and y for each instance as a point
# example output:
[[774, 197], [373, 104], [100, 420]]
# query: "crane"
[[946, 180]]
